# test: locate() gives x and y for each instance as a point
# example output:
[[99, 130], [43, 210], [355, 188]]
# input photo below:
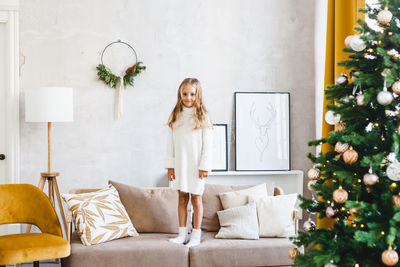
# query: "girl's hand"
[[203, 174], [171, 174]]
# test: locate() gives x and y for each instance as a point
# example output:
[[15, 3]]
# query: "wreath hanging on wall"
[[108, 77]]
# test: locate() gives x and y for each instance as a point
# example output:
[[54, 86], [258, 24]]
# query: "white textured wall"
[[230, 45]]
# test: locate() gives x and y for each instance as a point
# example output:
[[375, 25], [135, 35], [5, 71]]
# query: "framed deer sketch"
[[262, 123]]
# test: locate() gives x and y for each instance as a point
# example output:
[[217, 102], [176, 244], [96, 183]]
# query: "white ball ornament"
[[384, 16], [393, 171], [331, 212], [331, 264], [331, 118], [348, 40], [384, 97], [357, 44]]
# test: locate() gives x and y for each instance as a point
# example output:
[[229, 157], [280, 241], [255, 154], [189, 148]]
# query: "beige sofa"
[[155, 219]]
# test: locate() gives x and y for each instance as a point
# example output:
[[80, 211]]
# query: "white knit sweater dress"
[[189, 151]]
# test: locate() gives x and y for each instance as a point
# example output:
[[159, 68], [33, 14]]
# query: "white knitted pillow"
[[275, 215], [238, 222], [240, 197], [99, 216]]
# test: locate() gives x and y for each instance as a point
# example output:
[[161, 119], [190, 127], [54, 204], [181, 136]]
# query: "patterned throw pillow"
[[99, 216]]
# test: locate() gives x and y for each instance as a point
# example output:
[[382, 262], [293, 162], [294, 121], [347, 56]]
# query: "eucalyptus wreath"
[[105, 74]]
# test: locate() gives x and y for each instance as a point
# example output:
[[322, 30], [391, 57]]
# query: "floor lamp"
[[49, 104]]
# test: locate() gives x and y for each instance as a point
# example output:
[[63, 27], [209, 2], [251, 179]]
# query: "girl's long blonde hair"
[[200, 115]]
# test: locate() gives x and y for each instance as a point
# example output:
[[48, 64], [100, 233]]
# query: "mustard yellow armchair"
[[25, 203]]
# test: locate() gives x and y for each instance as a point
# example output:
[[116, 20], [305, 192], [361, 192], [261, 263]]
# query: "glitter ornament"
[[396, 200], [331, 118], [357, 44], [342, 79], [350, 156], [309, 225], [384, 16], [360, 100], [348, 40], [396, 87], [370, 178], [341, 147], [340, 127], [354, 75], [340, 195], [310, 184], [293, 252], [331, 212], [390, 257], [398, 130], [313, 173], [353, 211], [393, 171]]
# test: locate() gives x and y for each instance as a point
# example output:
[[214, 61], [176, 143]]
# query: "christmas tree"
[[357, 184]]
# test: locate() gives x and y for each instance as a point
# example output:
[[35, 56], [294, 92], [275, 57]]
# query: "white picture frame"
[[220, 147], [262, 123]]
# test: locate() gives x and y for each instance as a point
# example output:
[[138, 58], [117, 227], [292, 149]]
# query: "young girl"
[[189, 155]]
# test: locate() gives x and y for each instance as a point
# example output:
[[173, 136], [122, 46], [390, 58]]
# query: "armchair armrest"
[[68, 218]]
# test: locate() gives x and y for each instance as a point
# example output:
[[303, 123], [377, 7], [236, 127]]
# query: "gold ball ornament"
[[398, 130], [313, 173], [341, 147], [384, 16], [340, 127], [396, 87], [396, 200], [293, 252], [350, 156], [340, 195], [390, 257]]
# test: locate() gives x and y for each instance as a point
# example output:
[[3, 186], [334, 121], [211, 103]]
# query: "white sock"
[[182, 236], [195, 238]]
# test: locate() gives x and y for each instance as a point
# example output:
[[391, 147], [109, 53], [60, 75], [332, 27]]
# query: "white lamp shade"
[[49, 104]]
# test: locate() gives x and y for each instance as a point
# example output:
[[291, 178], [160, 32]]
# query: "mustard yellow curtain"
[[342, 17]]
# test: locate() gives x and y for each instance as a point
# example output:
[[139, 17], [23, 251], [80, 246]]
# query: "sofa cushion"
[[148, 250], [238, 222], [275, 215], [212, 203], [236, 252], [241, 197], [99, 216], [152, 210]]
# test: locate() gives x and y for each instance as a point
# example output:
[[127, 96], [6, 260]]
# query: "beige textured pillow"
[[99, 216], [239, 222], [275, 215], [212, 203], [151, 210], [240, 198]]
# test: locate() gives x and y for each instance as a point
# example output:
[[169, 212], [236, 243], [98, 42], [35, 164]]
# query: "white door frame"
[[9, 16]]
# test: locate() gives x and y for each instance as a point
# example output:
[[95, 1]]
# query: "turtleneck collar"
[[188, 111]]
